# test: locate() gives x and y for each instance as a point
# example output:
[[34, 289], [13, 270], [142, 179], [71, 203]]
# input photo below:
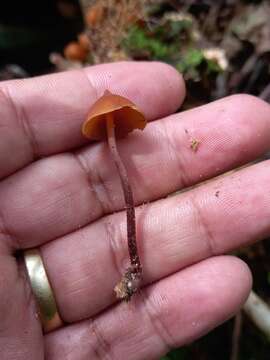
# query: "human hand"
[[62, 194]]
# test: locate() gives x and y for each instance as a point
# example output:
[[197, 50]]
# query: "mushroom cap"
[[126, 115]]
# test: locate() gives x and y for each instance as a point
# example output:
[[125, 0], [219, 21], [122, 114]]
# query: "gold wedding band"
[[42, 290]]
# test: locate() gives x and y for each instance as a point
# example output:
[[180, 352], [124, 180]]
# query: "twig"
[[237, 78], [259, 312], [236, 336], [221, 86], [259, 65], [265, 94]]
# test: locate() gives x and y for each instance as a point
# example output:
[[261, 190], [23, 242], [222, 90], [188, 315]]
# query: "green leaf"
[[194, 57], [190, 62], [138, 41], [213, 67]]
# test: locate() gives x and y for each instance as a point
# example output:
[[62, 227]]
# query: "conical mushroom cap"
[[126, 115]]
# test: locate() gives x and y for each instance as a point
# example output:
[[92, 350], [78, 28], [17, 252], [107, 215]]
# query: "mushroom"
[[113, 116]]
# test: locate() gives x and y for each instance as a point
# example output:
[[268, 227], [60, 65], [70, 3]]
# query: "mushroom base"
[[129, 283]]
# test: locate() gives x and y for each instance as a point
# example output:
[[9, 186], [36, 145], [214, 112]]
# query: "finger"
[[57, 195], [43, 115], [173, 233], [170, 313]]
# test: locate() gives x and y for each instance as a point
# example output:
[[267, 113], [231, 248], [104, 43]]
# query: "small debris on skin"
[[194, 144], [217, 193]]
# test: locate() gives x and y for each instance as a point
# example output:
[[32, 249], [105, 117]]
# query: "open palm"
[[62, 194]]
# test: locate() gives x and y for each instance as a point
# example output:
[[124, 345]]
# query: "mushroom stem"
[[130, 282]]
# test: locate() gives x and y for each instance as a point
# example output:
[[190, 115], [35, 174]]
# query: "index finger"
[[43, 115]]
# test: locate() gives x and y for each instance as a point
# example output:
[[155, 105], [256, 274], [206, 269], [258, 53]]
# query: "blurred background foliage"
[[221, 47]]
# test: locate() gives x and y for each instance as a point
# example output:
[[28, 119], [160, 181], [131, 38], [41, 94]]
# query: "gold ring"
[[42, 290]]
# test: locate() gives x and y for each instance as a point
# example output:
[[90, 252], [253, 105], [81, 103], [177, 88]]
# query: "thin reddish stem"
[[130, 209]]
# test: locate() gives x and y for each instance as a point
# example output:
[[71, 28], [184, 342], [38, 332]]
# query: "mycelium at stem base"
[[131, 280]]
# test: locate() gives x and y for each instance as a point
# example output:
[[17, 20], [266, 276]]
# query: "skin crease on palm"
[[62, 194]]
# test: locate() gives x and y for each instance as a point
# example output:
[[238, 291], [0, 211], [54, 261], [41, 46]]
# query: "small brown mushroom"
[[110, 117], [75, 52], [94, 15], [84, 41]]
